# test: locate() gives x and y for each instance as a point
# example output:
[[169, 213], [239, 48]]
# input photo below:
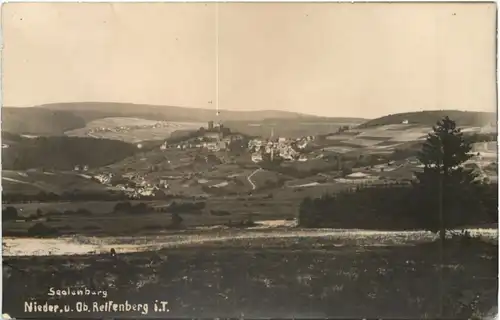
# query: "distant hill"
[[39, 121], [61, 153], [462, 118], [292, 128], [57, 118], [96, 110]]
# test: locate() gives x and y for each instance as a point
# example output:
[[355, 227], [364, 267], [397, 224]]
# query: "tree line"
[[64, 153]]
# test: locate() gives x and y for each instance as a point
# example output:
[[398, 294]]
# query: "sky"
[[329, 59]]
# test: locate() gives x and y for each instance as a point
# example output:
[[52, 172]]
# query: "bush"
[[128, 208], [122, 207], [220, 213], [41, 230], [346, 171], [9, 213], [176, 222], [186, 207]]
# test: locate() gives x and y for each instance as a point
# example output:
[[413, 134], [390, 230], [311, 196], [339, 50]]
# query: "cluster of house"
[[199, 143], [215, 138], [103, 178], [159, 124], [140, 188], [288, 149], [81, 168], [143, 191]]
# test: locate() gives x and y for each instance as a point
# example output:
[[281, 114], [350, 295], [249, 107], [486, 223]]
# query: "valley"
[[174, 199], [235, 178]]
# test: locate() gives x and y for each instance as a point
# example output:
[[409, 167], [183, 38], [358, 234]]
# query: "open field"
[[382, 276], [34, 181], [132, 130], [384, 139], [290, 128], [402, 132], [103, 221], [275, 203]]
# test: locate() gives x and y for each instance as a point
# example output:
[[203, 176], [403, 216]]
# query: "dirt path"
[[249, 178]]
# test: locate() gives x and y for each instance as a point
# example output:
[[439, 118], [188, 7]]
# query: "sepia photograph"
[[249, 160]]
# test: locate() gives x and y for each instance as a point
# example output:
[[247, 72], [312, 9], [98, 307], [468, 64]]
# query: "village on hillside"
[[216, 144]]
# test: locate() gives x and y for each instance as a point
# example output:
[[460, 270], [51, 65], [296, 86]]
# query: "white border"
[[256, 1]]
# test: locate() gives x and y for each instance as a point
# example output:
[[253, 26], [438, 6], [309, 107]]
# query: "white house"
[[257, 157], [358, 175]]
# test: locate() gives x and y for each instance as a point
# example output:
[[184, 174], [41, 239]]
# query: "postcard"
[[249, 160]]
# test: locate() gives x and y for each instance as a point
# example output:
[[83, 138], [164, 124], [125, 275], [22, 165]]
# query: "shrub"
[[127, 207], [122, 207], [9, 213], [41, 230], [220, 213], [346, 171], [176, 222], [186, 207]]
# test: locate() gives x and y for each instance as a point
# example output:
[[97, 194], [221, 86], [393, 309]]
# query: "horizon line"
[[228, 110]]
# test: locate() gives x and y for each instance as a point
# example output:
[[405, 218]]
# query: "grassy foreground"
[[303, 277]]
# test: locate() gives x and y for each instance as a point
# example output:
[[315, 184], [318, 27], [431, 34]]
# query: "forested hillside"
[[61, 153]]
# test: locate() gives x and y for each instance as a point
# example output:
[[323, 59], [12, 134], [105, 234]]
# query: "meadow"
[[36, 181], [265, 277], [98, 217]]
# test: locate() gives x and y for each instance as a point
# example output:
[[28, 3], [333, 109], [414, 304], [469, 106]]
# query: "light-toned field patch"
[[339, 149], [410, 136], [132, 130], [340, 137], [363, 142], [485, 147], [311, 184], [13, 180], [387, 145], [56, 182], [119, 121]]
